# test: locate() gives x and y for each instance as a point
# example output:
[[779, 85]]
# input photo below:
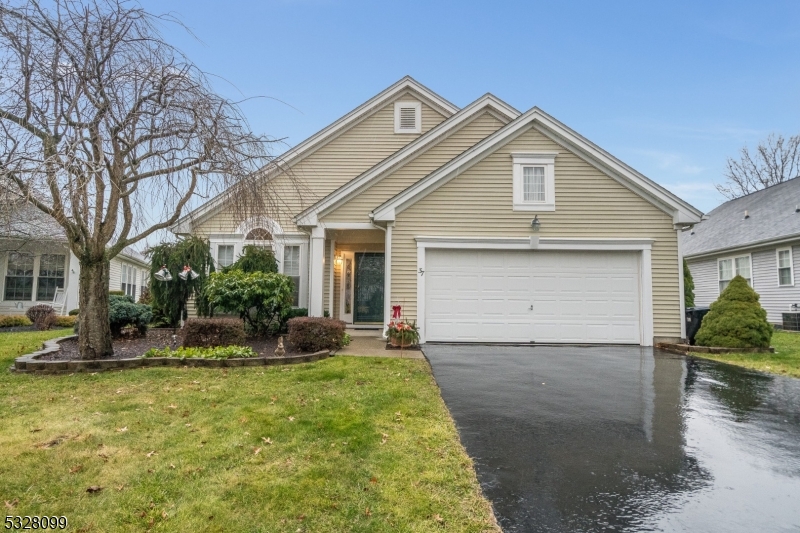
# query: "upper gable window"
[[534, 182], [408, 117]]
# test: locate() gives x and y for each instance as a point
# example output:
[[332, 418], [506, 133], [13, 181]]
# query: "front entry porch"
[[354, 276]]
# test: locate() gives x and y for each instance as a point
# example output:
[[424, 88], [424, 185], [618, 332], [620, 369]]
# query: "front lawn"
[[785, 360], [345, 444]]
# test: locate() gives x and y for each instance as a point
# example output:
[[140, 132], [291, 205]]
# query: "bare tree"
[[774, 161], [112, 132]]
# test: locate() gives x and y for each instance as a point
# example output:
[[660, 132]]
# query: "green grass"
[[785, 360], [344, 444]]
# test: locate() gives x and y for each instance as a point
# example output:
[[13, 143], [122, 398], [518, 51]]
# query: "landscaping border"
[[686, 349], [31, 364]]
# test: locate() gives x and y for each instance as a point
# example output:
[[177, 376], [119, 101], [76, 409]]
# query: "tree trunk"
[[94, 335]]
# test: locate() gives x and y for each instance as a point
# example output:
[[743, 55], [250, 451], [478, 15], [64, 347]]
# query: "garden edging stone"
[[685, 349], [30, 363]]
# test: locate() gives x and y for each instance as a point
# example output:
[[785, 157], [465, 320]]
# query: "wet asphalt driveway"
[[579, 439]]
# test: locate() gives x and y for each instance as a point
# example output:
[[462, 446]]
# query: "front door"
[[368, 301]]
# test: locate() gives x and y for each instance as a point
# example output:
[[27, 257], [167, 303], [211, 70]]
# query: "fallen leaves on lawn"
[[36, 430], [94, 488], [103, 456], [373, 480], [266, 440], [172, 406], [291, 419], [384, 437], [438, 518], [151, 454], [54, 442], [122, 430], [75, 469], [367, 512], [11, 504], [256, 451]]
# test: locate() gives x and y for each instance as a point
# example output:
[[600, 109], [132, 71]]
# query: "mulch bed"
[[127, 348]]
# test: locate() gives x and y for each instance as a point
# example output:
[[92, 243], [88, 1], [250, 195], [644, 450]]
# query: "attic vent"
[[407, 117]]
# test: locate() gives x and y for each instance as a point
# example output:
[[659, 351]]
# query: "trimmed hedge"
[[208, 332], [312, 334], [736, 319], [11, 321], [66, 321], [218, 352], [74, 312], [42, 315]]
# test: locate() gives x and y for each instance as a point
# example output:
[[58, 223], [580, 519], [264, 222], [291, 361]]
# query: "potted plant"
[[403, 334]]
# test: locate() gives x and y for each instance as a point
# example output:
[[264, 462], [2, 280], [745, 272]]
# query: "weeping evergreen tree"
[[688, 286], [169, 298]]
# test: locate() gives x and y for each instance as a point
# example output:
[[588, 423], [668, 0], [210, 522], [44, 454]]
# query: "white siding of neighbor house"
[[773, 298]]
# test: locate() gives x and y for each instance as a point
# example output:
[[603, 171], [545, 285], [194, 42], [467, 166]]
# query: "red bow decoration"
[[395, 311]]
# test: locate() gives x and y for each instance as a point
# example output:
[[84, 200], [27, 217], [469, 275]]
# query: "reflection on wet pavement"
[[624, 439]]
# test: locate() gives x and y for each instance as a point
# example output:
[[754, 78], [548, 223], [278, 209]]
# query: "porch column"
[[387, 272], [317, 270]]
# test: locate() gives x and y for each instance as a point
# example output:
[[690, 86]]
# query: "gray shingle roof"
[[771, 213]]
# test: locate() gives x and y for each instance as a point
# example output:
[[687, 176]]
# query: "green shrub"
[[66, 321], [74, 312], [208, 332], [11, 321], [218, 352], [688, 286], [291, 312], [259, 298], [255, 259], [312, 334], [43, 316], [736, 319], [116, 293], [124, 312]]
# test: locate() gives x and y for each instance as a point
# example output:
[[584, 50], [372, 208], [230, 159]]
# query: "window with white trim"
[[51, 276], [731, 267], [225, 255], [408, 117], [19, 277], [291, 268], [128, 280], [785, 267], [534, 181]]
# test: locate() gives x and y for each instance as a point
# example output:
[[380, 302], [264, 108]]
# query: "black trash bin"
[[694, 317]]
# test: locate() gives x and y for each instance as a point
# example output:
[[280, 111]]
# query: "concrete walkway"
[[375, 347]]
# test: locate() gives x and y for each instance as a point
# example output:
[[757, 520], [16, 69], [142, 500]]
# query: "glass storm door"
[[368, 304]]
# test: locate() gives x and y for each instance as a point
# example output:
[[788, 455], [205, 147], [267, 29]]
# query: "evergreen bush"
[[11, 321], [736, 319], [688, 286], [312, 334], [259, 298], [124, 312]]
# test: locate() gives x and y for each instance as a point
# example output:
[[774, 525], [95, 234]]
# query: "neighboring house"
[[756, 236], [415, 202], [35, 261]]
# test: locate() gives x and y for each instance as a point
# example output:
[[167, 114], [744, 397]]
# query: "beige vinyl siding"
[[588, 204], [329, 167], [358, 208]]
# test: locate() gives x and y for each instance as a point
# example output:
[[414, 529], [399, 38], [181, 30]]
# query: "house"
[[755, 236], [35, 261], [483, 223]]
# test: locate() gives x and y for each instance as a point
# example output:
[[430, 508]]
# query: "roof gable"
[[772, 214], [321, 138], [337, 198], [682, 212]]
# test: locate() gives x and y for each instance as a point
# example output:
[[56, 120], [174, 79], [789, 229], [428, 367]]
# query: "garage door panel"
[[520, 296]]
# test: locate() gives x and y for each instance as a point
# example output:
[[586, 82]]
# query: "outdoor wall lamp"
[[535, 223], [163, 274], [188, 273], [338, 260]]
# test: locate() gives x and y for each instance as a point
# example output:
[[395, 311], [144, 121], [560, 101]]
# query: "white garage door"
[[531, 296]]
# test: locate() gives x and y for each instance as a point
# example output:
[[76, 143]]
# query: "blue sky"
[[671, 88]]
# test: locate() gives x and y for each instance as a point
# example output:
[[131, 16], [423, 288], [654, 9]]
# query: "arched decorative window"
[[258, 234]]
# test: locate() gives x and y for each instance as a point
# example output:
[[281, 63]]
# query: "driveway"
[[624, 438]]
